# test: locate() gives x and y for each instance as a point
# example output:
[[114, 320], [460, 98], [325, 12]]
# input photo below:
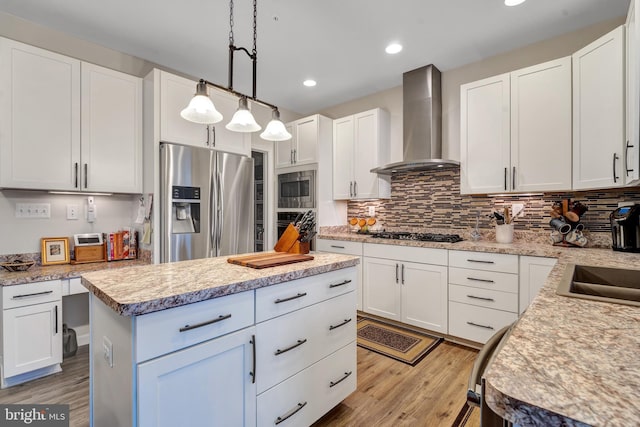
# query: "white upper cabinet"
[[175, 94], [598, 113], [40, 116], [631, 163], [111, 130], [361, 143], [302, 148], [516, 131]]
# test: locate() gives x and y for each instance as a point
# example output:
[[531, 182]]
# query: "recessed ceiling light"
[[309, 83], [393, 48], [513, 2]]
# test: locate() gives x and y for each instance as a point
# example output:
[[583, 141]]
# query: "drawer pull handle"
[[346, 375], [208, 322], [31, 295], [335, 285], [298, 344], [482, 298], [480, 280], [291, 413], [56, 333], [337, 247], [481, 261], [253, 368], [300, 295], [480, 326], [331, 327]]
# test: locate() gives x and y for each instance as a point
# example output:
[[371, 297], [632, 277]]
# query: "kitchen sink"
[[617, 285]]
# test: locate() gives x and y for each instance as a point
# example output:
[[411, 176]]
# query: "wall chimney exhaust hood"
[[422, 124]]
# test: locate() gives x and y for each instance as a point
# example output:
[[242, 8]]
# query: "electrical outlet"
[[372, 211], [517, 209], [72, 211], [107, 351], [33, 210]]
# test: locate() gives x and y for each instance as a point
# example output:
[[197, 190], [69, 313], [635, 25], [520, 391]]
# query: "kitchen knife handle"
[[513, 180], [626, 157], [615, 178], [505, 179], [75, 166]]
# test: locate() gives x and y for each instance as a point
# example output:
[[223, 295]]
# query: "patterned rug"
[[405, 345]]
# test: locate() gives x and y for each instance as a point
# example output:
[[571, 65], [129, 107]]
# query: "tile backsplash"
[[432, 200]]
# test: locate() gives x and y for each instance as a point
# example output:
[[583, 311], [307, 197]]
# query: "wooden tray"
[[268, 259]]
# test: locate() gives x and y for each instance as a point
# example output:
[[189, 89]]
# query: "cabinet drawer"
[[484, 298], [287, 344], [484, 261], [406, 253], [504, 282], [31, 293], [339, 246], [286, 297], [476, 323], [170, 330], [308, 395]]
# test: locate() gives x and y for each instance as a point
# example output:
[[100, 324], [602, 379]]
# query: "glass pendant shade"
[[275, 130], [201, 108], [243, 120]]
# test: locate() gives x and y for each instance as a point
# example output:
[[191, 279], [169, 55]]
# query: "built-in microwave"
[[297, 190]]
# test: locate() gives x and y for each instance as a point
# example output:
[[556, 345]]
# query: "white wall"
[[391, 99]]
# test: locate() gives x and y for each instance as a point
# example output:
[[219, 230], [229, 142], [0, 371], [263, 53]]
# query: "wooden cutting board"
[[268, 260]]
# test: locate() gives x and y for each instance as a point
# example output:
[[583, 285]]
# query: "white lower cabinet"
[[533, 274], [209, 381], [31, 331], [406, 284]]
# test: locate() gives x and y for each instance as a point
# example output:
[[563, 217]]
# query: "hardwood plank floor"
[[390, 393]]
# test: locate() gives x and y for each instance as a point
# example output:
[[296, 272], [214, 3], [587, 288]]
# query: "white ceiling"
[[339, 43]]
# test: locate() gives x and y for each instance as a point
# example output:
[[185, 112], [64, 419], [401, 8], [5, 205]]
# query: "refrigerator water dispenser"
[[185, 210]]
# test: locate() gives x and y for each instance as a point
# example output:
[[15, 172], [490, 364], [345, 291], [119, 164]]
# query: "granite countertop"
[[140, 290], [568, 361], [40, 273]]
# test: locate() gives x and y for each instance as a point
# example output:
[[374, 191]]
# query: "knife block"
[[289, 242]]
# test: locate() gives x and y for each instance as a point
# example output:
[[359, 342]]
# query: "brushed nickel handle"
[[396, 272], [505, 179], [35, 294], [208, 322], [626, 157], [355, 188], [350, 188], [337, 247], [75, 166], [56, 333], [480, 326], [513, 179], [213, 132], [480, 280], [208, 136], [480, 298], [615, 178], [291, 413], [299, 295], [297, 344], [481, 261], [402, 275], [86, 175], [335, 285], [346, 375], [332, 327]]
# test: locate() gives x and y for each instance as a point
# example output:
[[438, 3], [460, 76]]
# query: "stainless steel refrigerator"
[[206, 202]]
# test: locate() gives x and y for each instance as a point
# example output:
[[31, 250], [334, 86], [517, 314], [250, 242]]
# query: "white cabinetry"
[[520, 123], [361, 143], [533, 274], [409, 286], [67, 125], [31, 331], [631, 163], [307, 136], [175, 94], [348, 248], [598, 113], [483, 293]]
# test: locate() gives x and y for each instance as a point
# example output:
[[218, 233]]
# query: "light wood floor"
[[390, 393]]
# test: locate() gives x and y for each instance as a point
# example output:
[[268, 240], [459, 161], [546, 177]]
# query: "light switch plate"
[[33, 210], [72, 211]]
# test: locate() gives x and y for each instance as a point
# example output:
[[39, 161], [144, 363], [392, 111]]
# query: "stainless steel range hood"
[[422, 124]]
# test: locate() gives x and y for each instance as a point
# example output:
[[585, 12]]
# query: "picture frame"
[[54, 250]]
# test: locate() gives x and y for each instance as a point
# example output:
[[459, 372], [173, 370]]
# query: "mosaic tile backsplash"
[[432, 200]]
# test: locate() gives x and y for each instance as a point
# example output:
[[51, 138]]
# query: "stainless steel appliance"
[[297, 190], [476, 387], [423, 237], [206, 201], [625, 228]]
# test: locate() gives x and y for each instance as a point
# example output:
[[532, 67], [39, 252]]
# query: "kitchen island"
[[181, 343]]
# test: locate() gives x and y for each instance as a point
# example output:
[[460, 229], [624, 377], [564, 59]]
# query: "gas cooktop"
[[422, 237]]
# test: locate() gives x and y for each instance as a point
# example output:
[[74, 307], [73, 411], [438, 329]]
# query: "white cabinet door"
[[533, 274], [598, 113], [306, 141], [284, 149], [222, 138], [111, 146], [631, 163], [371, 149], [32, 337], [382, 289], [207, 384], [541, 127], [343, 158], [175, 94], [424, 296], [485, 136], [40, 113]]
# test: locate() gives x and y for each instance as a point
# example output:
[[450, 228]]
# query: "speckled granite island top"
[[141, 290], [568, 361]]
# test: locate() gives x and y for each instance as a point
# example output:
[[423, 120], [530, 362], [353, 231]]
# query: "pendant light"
[[202, 110], [275, 131]]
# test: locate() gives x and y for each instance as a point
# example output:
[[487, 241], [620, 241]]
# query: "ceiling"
[[339, 43]]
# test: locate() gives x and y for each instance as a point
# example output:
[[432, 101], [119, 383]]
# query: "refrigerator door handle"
[[212, 231], [220, 207]]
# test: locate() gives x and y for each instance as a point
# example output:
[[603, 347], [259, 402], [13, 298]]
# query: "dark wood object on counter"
[[268, 259]]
